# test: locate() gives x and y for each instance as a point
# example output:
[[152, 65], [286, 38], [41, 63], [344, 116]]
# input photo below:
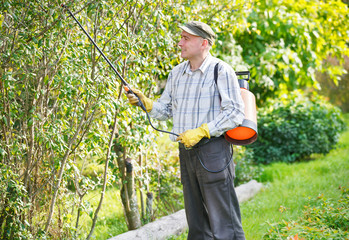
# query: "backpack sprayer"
[[244, 134], [247, 132]]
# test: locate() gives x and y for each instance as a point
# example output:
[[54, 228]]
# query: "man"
[[202, 112]]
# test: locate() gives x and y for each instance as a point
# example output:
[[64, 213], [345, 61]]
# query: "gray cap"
[[200, 29]]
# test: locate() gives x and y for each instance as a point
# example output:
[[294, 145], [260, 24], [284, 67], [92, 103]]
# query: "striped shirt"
[[192, 98]]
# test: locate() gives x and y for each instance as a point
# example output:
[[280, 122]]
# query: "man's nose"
[[180, 43]]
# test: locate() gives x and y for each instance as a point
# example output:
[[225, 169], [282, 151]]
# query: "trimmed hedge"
[[294, 127]]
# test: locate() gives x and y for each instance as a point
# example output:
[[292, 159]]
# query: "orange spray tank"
[[247, 132]]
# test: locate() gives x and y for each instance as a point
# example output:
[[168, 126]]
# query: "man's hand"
[[191, 137], [133, 100]]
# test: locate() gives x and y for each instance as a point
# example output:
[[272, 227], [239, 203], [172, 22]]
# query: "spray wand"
[[126, 85]]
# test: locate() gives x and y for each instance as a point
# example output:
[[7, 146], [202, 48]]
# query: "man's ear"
[[205, 43]]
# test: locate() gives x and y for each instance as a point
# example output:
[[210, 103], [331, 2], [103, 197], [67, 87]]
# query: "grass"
[[289, 187], [110, 221]]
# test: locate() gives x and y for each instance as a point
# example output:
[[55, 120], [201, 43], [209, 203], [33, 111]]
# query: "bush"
[[322, 219], [294, 127], [13, 201], [245, 168]]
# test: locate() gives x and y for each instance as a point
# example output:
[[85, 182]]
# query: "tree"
[[285, 42], [59, 101]]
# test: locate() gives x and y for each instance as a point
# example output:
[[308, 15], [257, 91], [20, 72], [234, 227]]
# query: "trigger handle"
[[140, 104]]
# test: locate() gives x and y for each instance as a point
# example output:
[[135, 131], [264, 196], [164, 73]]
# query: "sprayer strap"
[[216, 77], [216, 73]]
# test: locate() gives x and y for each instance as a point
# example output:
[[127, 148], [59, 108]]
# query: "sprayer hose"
[[157, 128]]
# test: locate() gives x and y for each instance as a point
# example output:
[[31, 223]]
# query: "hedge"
[[294, 127]]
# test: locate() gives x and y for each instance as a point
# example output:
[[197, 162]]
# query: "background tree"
[[338, 94], [286, 42]]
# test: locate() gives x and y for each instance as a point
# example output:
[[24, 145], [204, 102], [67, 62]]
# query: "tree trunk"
[[150, 206], [128, 193], [129, 198]]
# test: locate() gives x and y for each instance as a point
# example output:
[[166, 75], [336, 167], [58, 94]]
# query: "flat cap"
[[200, 29]]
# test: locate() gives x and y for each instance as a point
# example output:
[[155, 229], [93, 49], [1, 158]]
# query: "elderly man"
[[202, 112]]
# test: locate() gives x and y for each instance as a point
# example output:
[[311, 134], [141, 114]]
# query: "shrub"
[[322, 219], [294, 127], [13, 201], [245, 168]]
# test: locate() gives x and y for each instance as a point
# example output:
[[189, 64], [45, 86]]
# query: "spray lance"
[[127, 87]]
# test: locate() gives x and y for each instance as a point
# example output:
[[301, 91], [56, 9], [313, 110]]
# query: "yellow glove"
[[133, 100], [191, 137]]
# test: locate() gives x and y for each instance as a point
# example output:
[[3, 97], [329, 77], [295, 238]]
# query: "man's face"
[[191, 45]]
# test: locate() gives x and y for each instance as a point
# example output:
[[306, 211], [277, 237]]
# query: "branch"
[[60, 175], [222, 9], [46, 29], [105, 177]]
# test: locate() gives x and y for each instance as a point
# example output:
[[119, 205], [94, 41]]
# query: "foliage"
[[13, 201], [321, 219], [285, 42], [294, 127], [183, 236], [245, 168], [165, 179], [59, 99], [338, 94], [169, 195]]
